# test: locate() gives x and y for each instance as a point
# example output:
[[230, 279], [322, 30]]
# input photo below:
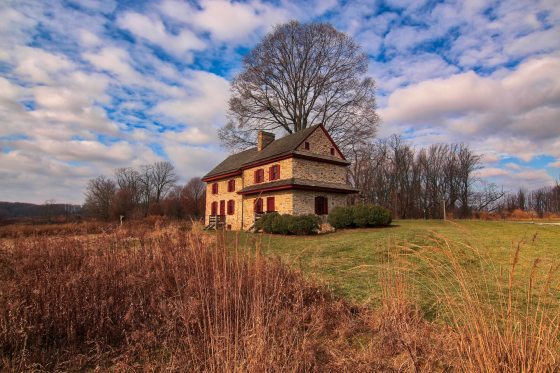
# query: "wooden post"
[[444, 216]]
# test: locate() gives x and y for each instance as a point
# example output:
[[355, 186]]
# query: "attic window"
[[332, 151], [306, 145]]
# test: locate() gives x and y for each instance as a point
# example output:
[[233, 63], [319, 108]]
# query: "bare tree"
[[300, 75], [193, 194], [468, 162], [163, 178], [100, 193]]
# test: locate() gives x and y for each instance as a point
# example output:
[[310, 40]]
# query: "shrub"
[[340, 217], [281, 224], [359, 216], [379, 216], [265, 222], [289, 224], [305, 224]]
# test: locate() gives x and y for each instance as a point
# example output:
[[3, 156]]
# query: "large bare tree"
[[300, 75]]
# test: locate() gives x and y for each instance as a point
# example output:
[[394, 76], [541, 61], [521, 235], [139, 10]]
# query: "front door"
[[222, 207]]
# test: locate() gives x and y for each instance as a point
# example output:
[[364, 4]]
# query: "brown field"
[[162, 296]]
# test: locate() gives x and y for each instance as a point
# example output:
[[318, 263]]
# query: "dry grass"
[[161, 296], [492, 334], [166, 299]]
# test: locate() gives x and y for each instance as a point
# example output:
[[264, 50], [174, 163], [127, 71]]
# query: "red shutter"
[[214, 208], [270, 204], [278, 171], [222, 207], [317, 205], [231, 207], [271, 173]]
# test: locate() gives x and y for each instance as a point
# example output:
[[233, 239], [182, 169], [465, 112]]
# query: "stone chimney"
[[263, 139]]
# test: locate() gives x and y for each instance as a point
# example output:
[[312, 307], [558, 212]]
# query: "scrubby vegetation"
[[300, 225], [161, 297], [359, 216]]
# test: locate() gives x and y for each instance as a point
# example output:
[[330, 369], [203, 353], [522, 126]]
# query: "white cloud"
[[202, 103], [228, 20], [524, 104], [114, 60], [154, 31]]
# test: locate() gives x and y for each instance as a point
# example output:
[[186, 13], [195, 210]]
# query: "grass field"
[[162, 295], [350, 262]]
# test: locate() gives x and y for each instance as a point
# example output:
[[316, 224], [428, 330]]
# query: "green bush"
[[303, 225], [265, 222], [340, 217], [379, 216], [288, 224], [360, 216], [281, 224]]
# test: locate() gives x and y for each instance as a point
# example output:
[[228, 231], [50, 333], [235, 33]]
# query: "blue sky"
[[88, 86]]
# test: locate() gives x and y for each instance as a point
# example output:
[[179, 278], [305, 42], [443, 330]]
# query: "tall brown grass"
[[492, 335], [163, 298], [172, 300]]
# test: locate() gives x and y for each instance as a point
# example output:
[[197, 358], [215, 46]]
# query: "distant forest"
[[15, 210]]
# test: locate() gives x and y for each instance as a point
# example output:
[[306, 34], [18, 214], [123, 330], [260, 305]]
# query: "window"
[[274, 172], [332, 151], [214, 208], [321, 205], [258, 206], [306, 145], [222, 207], [231, 186], [270, 204], [259, 175], [215, 188], [230, 207]]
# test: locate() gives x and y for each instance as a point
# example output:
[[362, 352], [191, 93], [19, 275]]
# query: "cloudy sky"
[[87, 86]]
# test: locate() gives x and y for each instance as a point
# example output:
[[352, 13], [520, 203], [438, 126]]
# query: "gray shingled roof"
[[282, 146], [344, 188]]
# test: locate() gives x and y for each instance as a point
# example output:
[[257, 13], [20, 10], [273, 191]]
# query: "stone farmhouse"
[[302, 173]]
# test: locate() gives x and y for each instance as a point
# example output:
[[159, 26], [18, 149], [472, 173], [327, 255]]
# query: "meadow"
[[351, 262], [464, 296]]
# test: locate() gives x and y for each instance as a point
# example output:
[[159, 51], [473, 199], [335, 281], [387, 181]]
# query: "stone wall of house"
[[234, 220], [283, 203], [285, 171], [304, 201], [319, 171], [319, 143]]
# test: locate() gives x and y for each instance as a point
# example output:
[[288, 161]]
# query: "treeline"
[[420, 183], [147, 190], [15, 210], [540, 202]]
